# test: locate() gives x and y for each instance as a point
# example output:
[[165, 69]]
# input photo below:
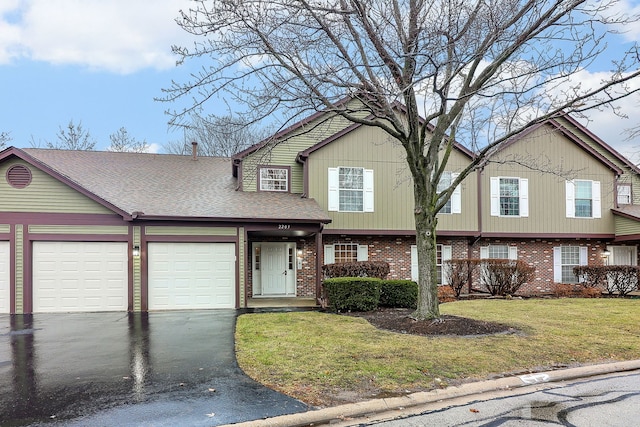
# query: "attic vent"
[[18, 176]]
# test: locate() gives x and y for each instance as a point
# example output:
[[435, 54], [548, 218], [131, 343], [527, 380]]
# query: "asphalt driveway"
[[105, 369]]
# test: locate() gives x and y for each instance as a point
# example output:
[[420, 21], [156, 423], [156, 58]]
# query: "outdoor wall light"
[[136, 251], [605, 254]]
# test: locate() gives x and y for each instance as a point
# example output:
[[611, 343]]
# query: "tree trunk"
[[427, 269]]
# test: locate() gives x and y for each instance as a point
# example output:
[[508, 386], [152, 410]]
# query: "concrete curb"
[[362, 409]]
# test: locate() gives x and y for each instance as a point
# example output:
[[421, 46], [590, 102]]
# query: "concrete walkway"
[[345, 415]]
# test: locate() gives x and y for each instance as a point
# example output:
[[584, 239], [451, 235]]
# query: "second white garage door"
[[191, 275], [4, 278], [79, 276]]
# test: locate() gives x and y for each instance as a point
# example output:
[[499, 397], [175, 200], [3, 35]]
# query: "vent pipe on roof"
[[194, 150]]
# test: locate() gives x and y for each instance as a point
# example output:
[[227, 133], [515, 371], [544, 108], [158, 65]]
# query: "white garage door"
[[191, 275], [4, 278], [79, 276]]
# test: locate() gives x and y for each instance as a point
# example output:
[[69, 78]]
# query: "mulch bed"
[[399, 320]]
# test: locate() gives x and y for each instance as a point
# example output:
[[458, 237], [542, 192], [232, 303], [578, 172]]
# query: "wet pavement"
[[105, 369]]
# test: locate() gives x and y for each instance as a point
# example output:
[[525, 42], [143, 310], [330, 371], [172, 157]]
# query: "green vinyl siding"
[[553, 160], [19, 273], [628, 176], [44, 194], [242, 260], [5, 228], [190, 231], [371, 148], [626, 226], [284, 152], [74, 229], [137, 271]]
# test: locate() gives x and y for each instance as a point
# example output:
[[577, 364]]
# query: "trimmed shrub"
[[615, 279], [590, 293], [399, 293], [504, 277], [352, 293], [459, 273], [379, 269], [562, 290], [591, 276], [446, 294]]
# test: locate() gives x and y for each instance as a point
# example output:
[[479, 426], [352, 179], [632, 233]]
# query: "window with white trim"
[[453, 205], [274, 179], [345, 252], [624, 194], [443, 254], [350, 189], [499, 252], [583, 199], [509, 196], [565, 258]]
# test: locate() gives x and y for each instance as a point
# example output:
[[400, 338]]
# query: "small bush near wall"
[[460, 273], [504, 277], [615, 279], [379, 269], [352, 293], [446, 294], [399, 293]]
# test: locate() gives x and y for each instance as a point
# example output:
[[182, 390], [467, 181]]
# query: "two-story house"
[[101, 231]]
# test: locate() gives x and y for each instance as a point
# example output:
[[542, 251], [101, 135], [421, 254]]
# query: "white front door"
[[5, 303], [278, 269]]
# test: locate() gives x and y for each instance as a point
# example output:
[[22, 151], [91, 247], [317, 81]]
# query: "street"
[[610, 400]]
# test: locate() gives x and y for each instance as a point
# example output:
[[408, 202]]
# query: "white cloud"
[[119, 36]]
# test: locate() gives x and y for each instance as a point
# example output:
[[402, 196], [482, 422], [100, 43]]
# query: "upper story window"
[[453, 205], [509, 197], [583, 199], [274, 179], [350, 189], [624, 194]]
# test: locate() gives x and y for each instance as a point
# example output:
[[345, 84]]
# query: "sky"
[[102, 63]]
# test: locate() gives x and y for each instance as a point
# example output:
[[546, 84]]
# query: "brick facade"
[[396, 250]]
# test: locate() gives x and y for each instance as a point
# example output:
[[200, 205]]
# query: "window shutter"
[[484, 252], [329, 254], [333, 202], [495, 196], [513, 253], [524, 197], [597, 201], [446, 256], [363, 253], [584, 255], [456, 197], [368, 190], [414, 263], [571, 203], [557, 264]]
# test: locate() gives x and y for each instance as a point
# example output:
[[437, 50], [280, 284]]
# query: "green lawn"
[[325, 359]]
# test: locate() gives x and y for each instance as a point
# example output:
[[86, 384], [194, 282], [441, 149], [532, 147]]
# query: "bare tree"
[[122, 141], [221, 136], [4, 138], [74, 137], [478, 72]]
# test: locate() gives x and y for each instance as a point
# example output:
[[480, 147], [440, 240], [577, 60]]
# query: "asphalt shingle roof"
[[165, 185]]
